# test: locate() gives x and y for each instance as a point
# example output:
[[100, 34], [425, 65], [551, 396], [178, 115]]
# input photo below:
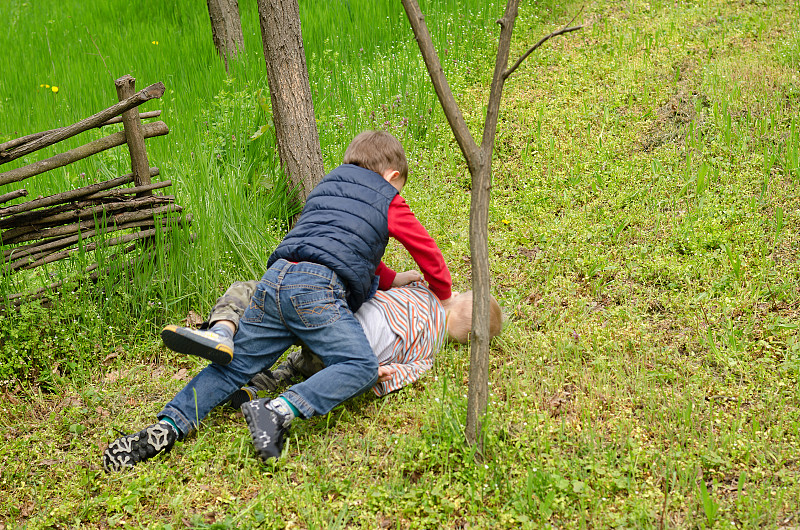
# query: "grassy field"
[[643, 237]]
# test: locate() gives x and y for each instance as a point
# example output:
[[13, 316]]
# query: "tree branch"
[[451, 110], [565, 29], [498, 79]]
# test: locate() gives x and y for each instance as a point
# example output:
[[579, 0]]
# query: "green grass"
[[220, 170], [643, 230]]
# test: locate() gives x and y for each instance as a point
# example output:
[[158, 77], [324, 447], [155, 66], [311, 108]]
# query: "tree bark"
[[290, 93], [226, 28]]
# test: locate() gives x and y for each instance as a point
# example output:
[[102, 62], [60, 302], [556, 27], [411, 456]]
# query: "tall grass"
[[62, 58]]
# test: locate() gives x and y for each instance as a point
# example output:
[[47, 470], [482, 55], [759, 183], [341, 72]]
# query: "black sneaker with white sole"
[[268, 427], [129, 450], [203, 343]]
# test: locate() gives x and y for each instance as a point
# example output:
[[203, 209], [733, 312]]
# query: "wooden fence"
[[48, 229]]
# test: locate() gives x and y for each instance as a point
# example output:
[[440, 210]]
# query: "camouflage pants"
[[231, 306]]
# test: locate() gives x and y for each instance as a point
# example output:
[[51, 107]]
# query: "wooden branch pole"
[[46, 216], [129, 102], [133, 134], [149, 130], [57, 256], [53, 228], [38, 248], [18, 298], [35, 136], [81, 211], [78, 193], [136, 190], [142, 116], [4, 198], [123, 217]]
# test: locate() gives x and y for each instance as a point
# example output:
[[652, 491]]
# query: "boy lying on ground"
[[403, 319], [405, 327]]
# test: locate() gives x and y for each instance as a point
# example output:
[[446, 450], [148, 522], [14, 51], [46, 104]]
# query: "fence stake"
[[133, 134]]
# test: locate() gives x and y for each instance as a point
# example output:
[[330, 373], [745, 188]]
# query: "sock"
[[222, 330], [171, 424], [284, 407]]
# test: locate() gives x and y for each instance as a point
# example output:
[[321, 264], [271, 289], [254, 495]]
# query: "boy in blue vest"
[[321, 273]]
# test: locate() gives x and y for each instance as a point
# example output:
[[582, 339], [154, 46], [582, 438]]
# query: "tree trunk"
[[290, 93], [478, 390], [226, 28]]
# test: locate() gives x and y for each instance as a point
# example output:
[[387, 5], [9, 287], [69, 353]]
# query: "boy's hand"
[[446, 303], [404, 278], [385, 373]]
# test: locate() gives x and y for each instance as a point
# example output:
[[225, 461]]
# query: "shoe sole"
[[127, 451], [177, 340], [254, 413]]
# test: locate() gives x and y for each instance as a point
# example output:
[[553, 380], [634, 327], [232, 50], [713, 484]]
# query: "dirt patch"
[[673, 118]]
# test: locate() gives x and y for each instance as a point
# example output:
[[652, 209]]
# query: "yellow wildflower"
[[155, 42], [54, 89], [506, 222]]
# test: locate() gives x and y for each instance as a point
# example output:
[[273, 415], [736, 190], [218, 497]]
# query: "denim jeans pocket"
[[316, 308], [255, 309]]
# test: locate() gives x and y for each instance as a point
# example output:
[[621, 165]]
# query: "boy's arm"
[[386, 276], [401, 375], [406, 228]]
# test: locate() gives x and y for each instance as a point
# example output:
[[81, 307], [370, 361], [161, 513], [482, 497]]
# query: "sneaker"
[[241, 396], [267, 426], [203, 343], [131, 449]]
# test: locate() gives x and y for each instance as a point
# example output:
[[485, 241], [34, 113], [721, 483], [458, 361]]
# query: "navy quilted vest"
[[344, 226]]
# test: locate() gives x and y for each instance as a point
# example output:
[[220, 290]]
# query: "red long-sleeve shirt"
[[406, 228]]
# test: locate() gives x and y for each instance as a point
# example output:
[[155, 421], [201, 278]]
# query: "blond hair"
[[377, 151], [459, 318]]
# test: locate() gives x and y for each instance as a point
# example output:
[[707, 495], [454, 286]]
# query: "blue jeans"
[[292, 301]]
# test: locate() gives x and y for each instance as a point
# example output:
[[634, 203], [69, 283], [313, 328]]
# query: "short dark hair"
[[377, 151]]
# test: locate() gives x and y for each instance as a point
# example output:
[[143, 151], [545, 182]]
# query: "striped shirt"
[[417, 318]]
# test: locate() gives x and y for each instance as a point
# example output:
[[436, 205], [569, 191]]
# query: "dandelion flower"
[[155, 42], [47, 86], [506, 222], [54, 89]]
